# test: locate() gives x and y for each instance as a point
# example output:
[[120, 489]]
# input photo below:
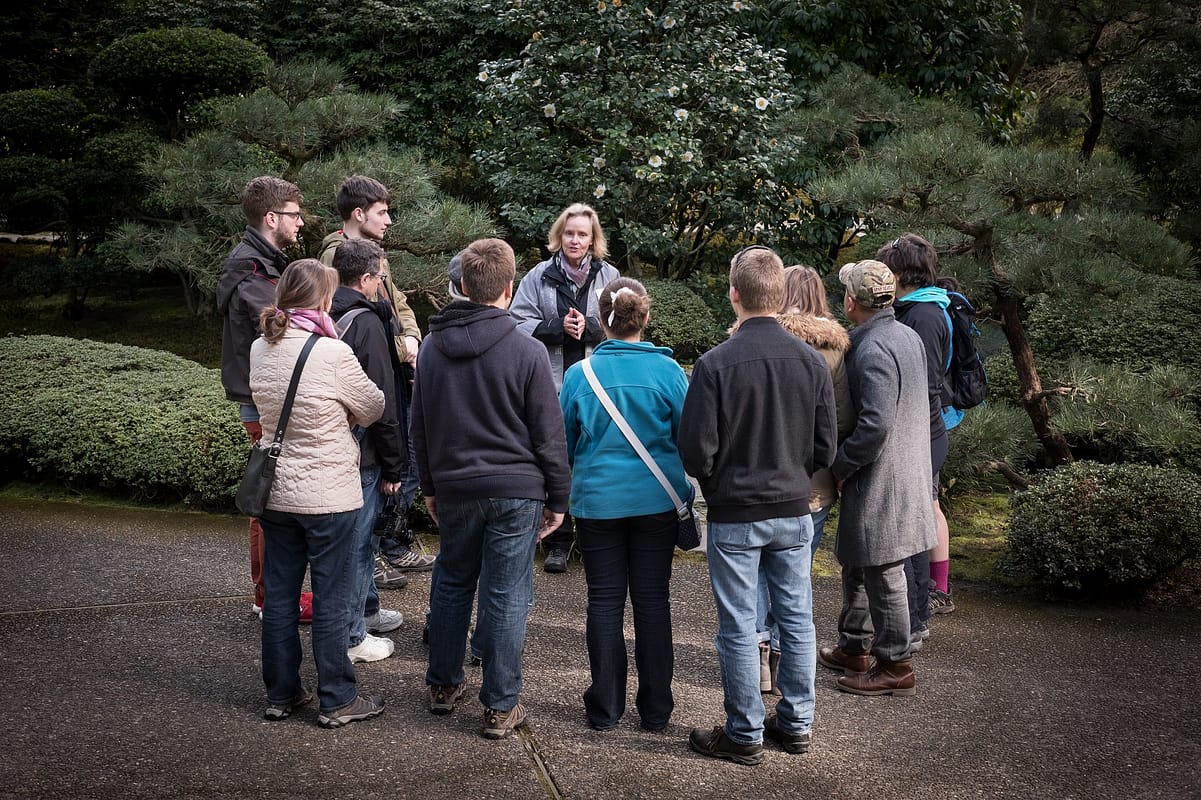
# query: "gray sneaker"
[[277, 711], [411, 561], [359, 709], [384, 621], [499, 724], [443, 698], [387, 576]]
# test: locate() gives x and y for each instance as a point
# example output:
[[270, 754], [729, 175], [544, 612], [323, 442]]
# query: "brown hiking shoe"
[[835, 659], [715, 743], [444, 698], [499, 724], [885, 677]]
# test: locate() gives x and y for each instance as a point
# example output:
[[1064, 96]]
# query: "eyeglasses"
[[296, 214]]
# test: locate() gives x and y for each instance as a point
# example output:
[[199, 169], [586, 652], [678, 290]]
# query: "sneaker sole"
[[359, 658], [878, 692], [338, 722], [501, 733], [943, 610], [412, 569]]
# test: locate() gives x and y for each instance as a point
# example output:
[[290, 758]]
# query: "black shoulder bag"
[[255, 487]]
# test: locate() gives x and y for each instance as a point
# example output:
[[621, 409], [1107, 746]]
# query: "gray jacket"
[[544, 297], [887, 509]]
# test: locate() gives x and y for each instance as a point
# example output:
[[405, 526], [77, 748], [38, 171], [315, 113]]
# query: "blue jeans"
[[487, 543], [629, 555], [320, 542], [735, 551], [766, 627], [364, 600]]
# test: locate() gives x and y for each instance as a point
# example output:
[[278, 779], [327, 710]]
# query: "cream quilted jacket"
[[318, 470]]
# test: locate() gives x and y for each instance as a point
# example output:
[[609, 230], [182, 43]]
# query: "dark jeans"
[[873, 617], [917, 568], [321, 543], [631, 554], [410, 481], [560, 537]]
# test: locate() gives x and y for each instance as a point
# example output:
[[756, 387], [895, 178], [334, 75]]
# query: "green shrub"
[[990, 433], [120, 418], [1093, 528], [680, 320]]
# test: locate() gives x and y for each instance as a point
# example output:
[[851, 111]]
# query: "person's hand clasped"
[[574, 324]]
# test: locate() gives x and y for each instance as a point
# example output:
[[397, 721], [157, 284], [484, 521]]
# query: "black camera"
[[392, 522]]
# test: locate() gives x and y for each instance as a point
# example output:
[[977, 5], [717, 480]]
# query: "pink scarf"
[[313, 321], [579, 274]]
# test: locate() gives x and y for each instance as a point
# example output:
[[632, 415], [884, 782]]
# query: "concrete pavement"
[[129, 668]]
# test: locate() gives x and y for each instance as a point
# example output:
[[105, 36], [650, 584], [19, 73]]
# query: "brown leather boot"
[[885, 677], [835, 659]]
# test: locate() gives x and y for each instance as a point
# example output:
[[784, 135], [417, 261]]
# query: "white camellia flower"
[[599, 191], [669, 23], [482, 77], [681, 114], [761, 103], [672, 91], [549, 109], [655, 161], [598, 163], [738, 5], [687, 157]]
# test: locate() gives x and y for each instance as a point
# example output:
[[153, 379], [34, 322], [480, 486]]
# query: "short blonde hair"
[[758, 275], [804, 291], [554, 241]]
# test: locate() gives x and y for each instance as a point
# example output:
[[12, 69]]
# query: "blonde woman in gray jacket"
[[557, 302], [315, 495]]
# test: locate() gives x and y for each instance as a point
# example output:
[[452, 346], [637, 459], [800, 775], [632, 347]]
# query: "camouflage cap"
[[870, 283]]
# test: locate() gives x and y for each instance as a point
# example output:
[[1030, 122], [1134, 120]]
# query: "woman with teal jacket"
[[625, 520]]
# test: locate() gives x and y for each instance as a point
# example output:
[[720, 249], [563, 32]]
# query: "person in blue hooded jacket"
[[625, 520]]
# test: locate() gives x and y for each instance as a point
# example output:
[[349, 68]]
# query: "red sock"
[[940, 574]]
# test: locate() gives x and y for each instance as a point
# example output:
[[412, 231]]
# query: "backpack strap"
[[950, 341], [343, 324]]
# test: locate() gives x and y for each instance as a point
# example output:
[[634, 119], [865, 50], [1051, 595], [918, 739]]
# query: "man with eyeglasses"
[[363, 205], [365, 325], [247, 283]]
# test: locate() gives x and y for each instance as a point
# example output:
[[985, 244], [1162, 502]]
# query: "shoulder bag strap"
[[287, 409], [631, 437]]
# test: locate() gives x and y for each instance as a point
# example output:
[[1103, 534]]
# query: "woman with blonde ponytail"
[[625, 520]]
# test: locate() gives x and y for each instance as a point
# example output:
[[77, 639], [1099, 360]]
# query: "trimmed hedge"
[[141, 422], [1104, 527], [680, 320]]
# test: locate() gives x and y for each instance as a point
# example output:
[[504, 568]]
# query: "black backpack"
[[965, 383]]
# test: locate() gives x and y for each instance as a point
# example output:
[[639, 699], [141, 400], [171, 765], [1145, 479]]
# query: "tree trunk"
[[1096, 109], [1033, 400]]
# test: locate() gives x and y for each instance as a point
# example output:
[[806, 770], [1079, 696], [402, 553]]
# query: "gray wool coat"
[[887, 509]]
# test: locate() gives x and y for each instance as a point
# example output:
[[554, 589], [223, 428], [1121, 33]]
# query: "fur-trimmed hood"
[[820, 333]]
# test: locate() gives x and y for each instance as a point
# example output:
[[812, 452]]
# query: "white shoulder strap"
[[343, 324], [631, 437]]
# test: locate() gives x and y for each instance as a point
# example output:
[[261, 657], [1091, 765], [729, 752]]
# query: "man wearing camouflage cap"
[[883, 469]]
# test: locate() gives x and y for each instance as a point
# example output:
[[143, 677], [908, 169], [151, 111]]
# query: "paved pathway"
[[129, 667]]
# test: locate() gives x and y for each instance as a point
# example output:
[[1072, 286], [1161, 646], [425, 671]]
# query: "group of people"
[[525, 417]]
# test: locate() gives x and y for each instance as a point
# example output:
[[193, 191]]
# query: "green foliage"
[[962, 50], [122, 418], [680, 320], [991, 434], [41, 122], [163, 72], [1091, 527], [663, 115]]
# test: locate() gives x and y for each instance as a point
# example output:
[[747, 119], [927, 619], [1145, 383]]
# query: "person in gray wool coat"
[[883, 469]]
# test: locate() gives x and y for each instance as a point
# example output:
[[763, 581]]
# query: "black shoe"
[[716, 744], [795, 743], [556, 560]]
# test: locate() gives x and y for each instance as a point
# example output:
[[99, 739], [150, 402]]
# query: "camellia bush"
[[129, 420], [664, 116]]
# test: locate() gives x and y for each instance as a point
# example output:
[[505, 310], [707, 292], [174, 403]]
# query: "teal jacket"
[[608, 479]]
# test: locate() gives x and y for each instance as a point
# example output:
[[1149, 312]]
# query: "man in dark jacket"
[[364, 325], [758, 421], [492, 455], [883, 470], [247, 284]]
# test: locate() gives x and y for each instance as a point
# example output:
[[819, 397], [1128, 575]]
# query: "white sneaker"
[[372, 648], [384, 620]]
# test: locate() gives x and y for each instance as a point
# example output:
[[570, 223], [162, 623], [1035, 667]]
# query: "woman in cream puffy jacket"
[[316, 494]]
